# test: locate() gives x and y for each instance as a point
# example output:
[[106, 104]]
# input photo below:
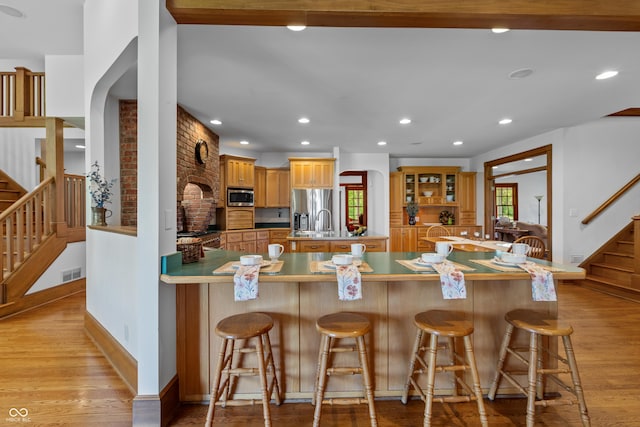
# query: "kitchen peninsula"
[[295, 296]]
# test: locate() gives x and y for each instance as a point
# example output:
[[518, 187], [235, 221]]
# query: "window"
[[355, 205], [355, 187], [507, 201]]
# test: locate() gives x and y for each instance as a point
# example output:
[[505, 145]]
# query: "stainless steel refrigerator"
[[312, 209]]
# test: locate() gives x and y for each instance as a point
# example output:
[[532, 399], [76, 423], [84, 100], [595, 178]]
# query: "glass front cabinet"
[[435, 189]]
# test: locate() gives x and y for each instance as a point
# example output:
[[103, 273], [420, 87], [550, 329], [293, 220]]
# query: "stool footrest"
[[239, 402], [344, 371], [344, 401], [342, 349], [242, 371], [454, 399], [556, 402]]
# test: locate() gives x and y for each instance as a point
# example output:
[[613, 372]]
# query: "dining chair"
[[536, 245], [437, 230]]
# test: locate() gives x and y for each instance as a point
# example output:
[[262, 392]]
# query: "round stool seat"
[[538, 323], [245, 325], [343, 325], [443, 323]]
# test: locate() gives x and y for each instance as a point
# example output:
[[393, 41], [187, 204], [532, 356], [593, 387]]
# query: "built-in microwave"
[[239, 197]]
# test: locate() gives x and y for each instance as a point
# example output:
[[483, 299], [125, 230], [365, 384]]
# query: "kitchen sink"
[[311, 233]]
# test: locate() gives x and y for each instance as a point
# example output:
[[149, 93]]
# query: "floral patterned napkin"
[[451, 281], [542, 287], [349, 282], [245, 282]]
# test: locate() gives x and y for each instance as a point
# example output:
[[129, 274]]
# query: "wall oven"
[[239, 197]]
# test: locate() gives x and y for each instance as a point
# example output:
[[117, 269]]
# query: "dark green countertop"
[[385, 267]]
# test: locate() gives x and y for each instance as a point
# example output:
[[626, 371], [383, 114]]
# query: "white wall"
[[72, 257], [110, 30], [590, 162], [65, 89], [7, 64], [530, 185]]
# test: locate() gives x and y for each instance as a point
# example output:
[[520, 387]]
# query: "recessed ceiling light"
[[296, 27], [305, 143], [606, 75], [405, 121], [244, 142], [505, 121], [528, 160], [215, 122], [11, 11], [521, 73], [382, 142], [458, 143], [499, 30], [303, 120], [494, 167], [80, 146]]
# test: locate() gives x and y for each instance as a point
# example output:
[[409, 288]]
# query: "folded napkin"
[[349, 282], [542, 287], [451, 281], [245, 283]]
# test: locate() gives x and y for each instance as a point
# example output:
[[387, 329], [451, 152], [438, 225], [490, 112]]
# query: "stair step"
[[611, 272], [619, 259], [611, 288]]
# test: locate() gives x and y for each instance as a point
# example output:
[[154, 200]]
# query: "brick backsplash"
[[194, 216]]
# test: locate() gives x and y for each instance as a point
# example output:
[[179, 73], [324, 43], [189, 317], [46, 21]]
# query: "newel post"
[[23, 94], [55, 168], [635, 277]]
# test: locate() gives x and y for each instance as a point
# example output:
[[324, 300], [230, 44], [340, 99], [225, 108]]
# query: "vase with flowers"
[[100, 191], [412, 211]]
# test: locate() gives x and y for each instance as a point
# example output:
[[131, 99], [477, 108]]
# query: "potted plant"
[[412, 211], [100, 191]]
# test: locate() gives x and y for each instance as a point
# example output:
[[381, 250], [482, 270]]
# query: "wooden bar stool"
[[332, 327], [246, 326], [439, 323], [538, 325]]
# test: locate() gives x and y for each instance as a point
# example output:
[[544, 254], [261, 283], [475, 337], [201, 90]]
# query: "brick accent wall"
[[206, 177], [129, 162]]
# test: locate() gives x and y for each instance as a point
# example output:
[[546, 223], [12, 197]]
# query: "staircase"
[[613, 268], [10, 191]]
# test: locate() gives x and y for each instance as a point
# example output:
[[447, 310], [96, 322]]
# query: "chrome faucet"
[[318, 217]]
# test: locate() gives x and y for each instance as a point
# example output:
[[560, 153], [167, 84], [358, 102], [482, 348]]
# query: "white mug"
[[520, 248], [275, 250], [444, 248], [357, 249]]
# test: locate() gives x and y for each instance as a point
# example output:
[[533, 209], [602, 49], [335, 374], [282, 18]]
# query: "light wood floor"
[[50, 367]]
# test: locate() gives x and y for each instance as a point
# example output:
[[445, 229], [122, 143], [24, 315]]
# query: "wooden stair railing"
[[611, 199], [25, 225], [22, 98]]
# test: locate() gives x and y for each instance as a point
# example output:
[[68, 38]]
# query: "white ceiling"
[[355, 84]]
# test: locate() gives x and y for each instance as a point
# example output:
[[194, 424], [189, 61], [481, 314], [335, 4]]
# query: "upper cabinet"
[[428, 185], [311, 172], [239, 171], [260, 189], [277, 188], [435, 189]]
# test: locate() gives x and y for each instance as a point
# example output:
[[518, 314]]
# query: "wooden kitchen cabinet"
[[403, 239], [396, 206], [311, 172], [280, 236], [235, 218], [277, 192], [373, 245], [239, 172], [240, 241], [260, 187], [313, 246], [449, 189], [467, 198], [262, 242]]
